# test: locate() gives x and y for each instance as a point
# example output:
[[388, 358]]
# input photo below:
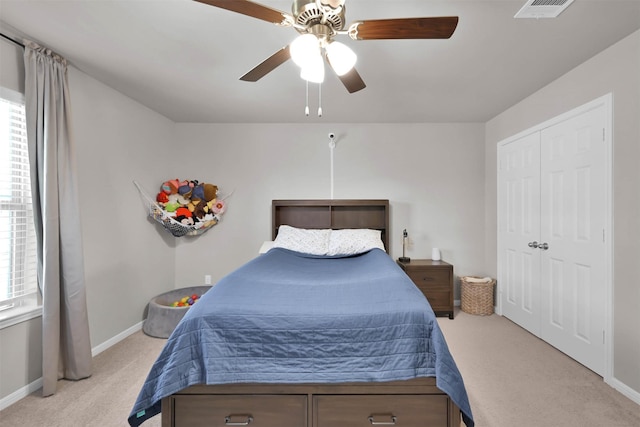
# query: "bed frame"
[[411, 403]]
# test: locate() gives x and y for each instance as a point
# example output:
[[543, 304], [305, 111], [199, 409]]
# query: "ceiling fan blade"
[[404, 28], [249, 8], [352, 81], [268, 65]]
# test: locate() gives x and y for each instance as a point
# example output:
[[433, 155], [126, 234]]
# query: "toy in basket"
[[185, 208], [477, 295]]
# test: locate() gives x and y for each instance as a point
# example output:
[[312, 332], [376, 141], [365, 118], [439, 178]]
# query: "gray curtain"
[[65, 329]]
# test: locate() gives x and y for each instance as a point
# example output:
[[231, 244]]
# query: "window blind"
[[18, 257]]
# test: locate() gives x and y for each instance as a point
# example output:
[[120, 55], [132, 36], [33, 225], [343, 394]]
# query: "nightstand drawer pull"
[[246, 422], [391, 422], [428, 279]]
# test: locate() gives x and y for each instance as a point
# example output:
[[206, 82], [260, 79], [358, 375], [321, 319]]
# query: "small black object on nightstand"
[[405, 240]]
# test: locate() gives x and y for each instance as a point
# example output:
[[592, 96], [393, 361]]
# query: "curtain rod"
[[12, 40]]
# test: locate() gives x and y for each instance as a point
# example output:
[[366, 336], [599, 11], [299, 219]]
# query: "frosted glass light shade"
[[313, 70], [303, 49], [341, 57]]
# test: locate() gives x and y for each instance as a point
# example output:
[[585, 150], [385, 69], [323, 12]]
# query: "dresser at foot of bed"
[[411, 403]]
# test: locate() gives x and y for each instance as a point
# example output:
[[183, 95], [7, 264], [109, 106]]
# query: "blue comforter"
[[286, 317]]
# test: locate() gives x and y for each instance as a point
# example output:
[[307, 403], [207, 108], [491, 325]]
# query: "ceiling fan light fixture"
[[341, 57], [313, 71], [319, 21], [304, 49], [331, 6]]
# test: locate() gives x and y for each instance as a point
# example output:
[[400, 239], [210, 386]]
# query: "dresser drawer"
[[439, 301], [237, 410], [430, 278], [381, 410]]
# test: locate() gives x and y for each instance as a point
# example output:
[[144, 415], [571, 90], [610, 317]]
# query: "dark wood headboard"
[[336, 214]]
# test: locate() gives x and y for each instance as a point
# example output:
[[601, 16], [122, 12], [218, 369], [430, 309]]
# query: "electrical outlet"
[[207, 279]]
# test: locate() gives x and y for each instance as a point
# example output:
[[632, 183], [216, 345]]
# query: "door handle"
[[543, 246], [533, 244]]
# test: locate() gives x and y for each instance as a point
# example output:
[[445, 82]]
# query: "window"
[[18, 257]]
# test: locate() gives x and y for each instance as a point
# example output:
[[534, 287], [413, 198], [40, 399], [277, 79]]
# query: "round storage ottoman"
[[162, 319]]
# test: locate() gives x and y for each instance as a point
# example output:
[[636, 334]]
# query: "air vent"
[[543, 8]]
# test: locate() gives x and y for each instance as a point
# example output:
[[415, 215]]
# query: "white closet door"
[[572, 226], [519, 230]]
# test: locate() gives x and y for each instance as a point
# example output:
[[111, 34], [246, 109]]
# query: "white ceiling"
[[183, 59]]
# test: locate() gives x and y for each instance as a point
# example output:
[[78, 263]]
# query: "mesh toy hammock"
[[164, 218]]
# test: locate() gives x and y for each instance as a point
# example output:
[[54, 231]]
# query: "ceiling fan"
[[319, 22]]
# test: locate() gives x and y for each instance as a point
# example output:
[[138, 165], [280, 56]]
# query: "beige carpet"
[[103, 400], [513, 380]]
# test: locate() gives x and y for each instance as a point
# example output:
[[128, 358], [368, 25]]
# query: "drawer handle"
[[246, 422], [391, 422], [427, 279]]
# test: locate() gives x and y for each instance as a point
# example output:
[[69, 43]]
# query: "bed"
[[337, 337]]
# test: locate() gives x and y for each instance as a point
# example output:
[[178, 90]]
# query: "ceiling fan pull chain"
[[319, 99], [306, 107]]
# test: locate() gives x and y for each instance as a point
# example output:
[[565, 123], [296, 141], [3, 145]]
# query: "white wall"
[[11, 65], [432, 174], [127, 260], [616, 70]]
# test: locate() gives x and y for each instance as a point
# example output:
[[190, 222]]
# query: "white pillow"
[[354, 241], [308, 241]]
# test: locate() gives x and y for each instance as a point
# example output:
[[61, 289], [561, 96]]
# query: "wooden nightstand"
[[435, 280]]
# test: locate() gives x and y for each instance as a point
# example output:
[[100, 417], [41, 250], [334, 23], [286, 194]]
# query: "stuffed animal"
[[210, 192], [200, 210], [198, 193], [184, 216], [171, 206], [218, 207], [171, 186], [174, 202], [184, 201], [192, 205], [162, 197], [206, 192], [186, 187]]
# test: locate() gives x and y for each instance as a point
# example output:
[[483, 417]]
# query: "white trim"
[[625, 389], [20, 314], [37, 384], [605, 101], [20, 394], [115, 340], [11, 95]]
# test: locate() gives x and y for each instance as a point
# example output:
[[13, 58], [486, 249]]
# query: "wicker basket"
[[477, 297]]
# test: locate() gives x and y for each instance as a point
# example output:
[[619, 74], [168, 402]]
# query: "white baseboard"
[[115, 340], [625, 390], [37, 384], [20, 393]]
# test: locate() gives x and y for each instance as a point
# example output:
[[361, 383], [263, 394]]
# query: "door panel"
[[573, 215], [519, 225]]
